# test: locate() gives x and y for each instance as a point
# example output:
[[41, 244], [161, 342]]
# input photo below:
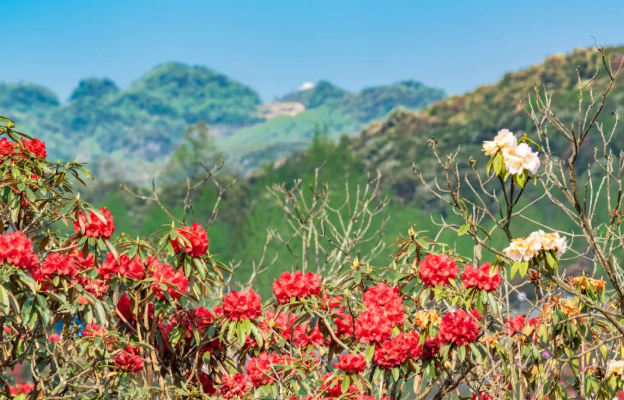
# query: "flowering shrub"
[[91, 315]]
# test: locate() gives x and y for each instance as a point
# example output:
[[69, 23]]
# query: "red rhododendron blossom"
[[298, 285], [482, 396], [239, 306], [344, 323], [36, 146], [56, 264], [95, 227], [260, 370], [393, 352], [129, 360], [206, 384], [197, 237], [481, 278], [96, 287], [302, 338], [93, 330], [351, 363], [372, 326], [124, 308], [7, 148], [21, 388], [515, 325], [54, 338], [332, 385], [126, 267], [414, 348], [233, 386], [329, 302], [16, 249], [437, 270], [165, 274], [476, 314], [430, 348], [458, 327], [385, 301]]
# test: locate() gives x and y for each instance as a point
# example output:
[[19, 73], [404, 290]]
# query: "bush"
[[90, 315]]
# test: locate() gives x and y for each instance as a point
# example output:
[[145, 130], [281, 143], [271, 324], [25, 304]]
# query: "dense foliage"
[[86, 314]]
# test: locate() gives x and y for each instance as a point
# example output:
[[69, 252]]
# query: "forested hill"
[[145, 123]]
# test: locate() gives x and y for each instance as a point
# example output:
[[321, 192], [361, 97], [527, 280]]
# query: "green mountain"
[[329, 108], [143, 122]]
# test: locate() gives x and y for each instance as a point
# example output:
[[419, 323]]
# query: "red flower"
[[393, 352], [95, 227], [235, 385], [351, 363], [129, 360], [437, 270], [372, 326], [481, 278], [515, 325], [430, 348], [164, 274], [54, 338], [124, 308], [303, 339], [93, 330], [329, 303], [296, 285], [21, 388], [344, 323], [97, 288], [35, 146], [475, 313], [56, 264], [207, 385], [482, 396], [238, 306], [16, 249], [385, 301], [458, 327], [415, 348], [7, 148], [332, 385], [197, 238], [134, 268], [260, 369]]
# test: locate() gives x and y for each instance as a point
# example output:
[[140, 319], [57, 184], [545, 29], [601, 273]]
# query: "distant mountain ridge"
[[145, 122]]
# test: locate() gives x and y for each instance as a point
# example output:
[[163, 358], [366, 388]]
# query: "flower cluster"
[[17, 249], [437, 270], [395, 351], [234, 386], [384, 311], [239, 306], [164, 274], [94, 226], [56, 264], [126, 267], [459, 327], [260, 370], [525, 249], [129, 360], [517, 157], [352, 363], [196, 244], [481, 278], [298, 285]]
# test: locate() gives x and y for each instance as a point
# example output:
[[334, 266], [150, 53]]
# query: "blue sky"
[[275, 45]]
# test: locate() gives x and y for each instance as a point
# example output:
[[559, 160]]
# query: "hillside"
[[143, 122], [328, 108]]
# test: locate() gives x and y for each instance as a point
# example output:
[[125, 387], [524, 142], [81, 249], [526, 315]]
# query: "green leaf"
[[29, 312], [551, 259], [498, 163], [463, 229], [345, 384], [240, 333], [4, 300], [370, 352], [461, 353], [524, 268], [395, 374]]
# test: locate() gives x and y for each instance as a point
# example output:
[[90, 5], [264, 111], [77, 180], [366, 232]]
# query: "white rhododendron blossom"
[[552, 241], [505, 140], [524, 249], [521, 158], [615, 367]]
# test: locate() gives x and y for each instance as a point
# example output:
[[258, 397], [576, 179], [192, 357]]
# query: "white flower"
[[552, 241], [615, 368], [503, 141], [523, 249], [521, 158]]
